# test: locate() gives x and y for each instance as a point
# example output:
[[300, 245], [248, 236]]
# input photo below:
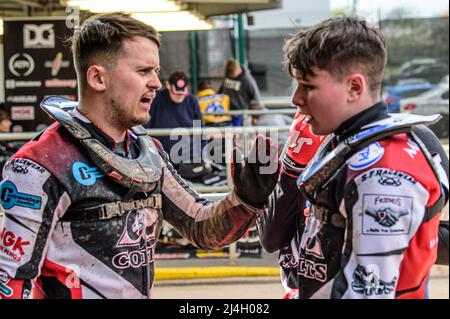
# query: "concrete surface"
[[261, 287]]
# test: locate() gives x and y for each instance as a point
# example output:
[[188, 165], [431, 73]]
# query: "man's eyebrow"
[[148, 66]]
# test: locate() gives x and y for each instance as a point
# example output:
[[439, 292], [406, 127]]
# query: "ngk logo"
[[12, 243]]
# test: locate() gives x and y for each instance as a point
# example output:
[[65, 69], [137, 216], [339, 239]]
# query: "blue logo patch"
[[366, 157], [10, 197], [4, 288], [86, 175], [214, 107]]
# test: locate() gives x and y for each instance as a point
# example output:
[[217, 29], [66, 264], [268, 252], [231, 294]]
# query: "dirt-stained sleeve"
[[208, 225]]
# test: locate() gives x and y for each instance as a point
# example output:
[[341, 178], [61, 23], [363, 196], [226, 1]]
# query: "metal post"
[[193, 45], [355, 7], [235, 37], [228, 154], [241, 38]]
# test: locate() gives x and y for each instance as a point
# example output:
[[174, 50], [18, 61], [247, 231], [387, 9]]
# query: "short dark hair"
[[204, 85], [4, 115], [339, 45], [99, 40]]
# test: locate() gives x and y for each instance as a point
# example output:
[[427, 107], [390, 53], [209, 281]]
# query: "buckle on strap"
[[111, 210], [327, 216]]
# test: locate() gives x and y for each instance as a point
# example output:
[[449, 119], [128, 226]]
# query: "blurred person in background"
[[242, 89], [175, 107], [7, 148], [210, 101]]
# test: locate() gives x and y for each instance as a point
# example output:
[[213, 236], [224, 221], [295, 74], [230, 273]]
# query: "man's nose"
[[154, 83]]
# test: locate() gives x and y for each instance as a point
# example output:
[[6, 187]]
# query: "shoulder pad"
[[140, 173], [325, 163]]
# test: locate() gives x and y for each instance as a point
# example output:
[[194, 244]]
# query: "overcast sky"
[[419, 8]]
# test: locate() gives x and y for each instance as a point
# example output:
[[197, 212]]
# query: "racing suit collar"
[[374, 113], [104, 138]]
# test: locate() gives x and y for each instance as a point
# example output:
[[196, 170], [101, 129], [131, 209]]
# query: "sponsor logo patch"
[[387, 215], [366, 157], [314, 247], [139, 232], [19, 169], [214, 107], [288, 261], [5, 290], [86, 175], [10, 197], [312, 270], [387, 177], [367, 282], [310, 245], [12, 245], [21, 166], [413, 149]]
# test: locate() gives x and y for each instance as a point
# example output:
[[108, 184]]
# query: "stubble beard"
[[118, 117]]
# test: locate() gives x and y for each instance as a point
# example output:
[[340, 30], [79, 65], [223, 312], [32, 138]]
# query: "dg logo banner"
[[37, 64]]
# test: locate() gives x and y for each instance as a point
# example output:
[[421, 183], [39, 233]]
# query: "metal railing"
[[247, 114], [227, 132], [277, 102], [209, 192]]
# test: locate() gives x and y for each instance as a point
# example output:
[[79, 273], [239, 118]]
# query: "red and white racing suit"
[[51, 246], [372, 233]]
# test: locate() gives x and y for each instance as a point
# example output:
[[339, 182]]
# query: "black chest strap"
[[111, 210]]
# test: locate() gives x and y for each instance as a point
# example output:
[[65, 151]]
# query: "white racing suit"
[[52, 245]]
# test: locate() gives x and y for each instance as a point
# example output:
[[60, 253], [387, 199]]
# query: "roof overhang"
[[207, 8], [211, 8]]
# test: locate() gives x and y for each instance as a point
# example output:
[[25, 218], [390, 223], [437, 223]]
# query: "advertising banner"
[[38, 63]]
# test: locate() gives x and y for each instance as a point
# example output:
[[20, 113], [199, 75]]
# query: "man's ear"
[[356, 84], [95, 77]]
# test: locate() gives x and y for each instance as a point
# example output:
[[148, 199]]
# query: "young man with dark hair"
[[85, 200], [369, 227]]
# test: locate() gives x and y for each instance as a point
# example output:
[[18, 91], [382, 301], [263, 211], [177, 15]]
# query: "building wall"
[[293, 14]]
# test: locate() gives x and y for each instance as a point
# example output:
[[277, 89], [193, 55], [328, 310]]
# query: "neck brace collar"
[[141, 173]]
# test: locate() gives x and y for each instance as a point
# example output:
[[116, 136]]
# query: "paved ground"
[[268, 287]]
